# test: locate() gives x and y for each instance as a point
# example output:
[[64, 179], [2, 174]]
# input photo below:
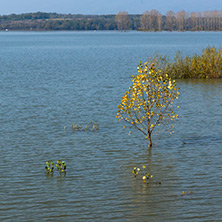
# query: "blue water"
[[49, 80]]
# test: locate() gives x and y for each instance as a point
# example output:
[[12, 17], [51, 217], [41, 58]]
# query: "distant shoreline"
[[151, 21], [117, 31]]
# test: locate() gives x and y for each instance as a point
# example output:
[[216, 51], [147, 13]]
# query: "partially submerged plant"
[[49, 167], [206, 65], [148, 104], [61, 166], [75, 127], [188, 193], [88, 127], [95, 127], [136, 171], [146, 177]]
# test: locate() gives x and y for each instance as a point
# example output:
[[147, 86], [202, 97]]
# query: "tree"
[[170, 15], [196, 20], [193, 21], [155, 20], [200, 21], [122, 20], [159, 21], [181, 20], [148, 103], [151, 20], [145, 21]]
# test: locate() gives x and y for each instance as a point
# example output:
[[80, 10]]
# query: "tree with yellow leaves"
[[149, 101]]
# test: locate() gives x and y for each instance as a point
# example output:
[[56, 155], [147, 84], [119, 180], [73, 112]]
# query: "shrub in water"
[[61, 166], [146, 177], [88, 127], [206, 65], [49, 167]]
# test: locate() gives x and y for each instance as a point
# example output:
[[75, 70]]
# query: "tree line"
[[149, 21]]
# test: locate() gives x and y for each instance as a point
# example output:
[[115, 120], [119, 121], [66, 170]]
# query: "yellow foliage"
[[148, 102]]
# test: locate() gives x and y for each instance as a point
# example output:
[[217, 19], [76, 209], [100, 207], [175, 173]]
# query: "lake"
[[50, 80]]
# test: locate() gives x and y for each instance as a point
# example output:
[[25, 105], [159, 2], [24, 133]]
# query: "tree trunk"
[[150, 141]]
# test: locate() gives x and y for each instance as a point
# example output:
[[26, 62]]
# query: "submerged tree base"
[[149, 145]]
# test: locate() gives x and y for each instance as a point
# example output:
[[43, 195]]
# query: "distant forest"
[[148, 21]]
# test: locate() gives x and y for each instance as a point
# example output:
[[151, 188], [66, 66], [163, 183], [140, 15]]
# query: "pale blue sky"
[[106, 6]]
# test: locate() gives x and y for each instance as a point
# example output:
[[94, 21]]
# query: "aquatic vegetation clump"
[[87, 127], [188, 193], [136, 171], [49, 167], [145, 176], [204, 66], [61, 166]]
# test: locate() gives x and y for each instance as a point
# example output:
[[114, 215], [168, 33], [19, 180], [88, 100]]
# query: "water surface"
[[49, 80]]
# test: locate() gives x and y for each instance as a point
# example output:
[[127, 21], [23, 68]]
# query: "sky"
[[106, 6]]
